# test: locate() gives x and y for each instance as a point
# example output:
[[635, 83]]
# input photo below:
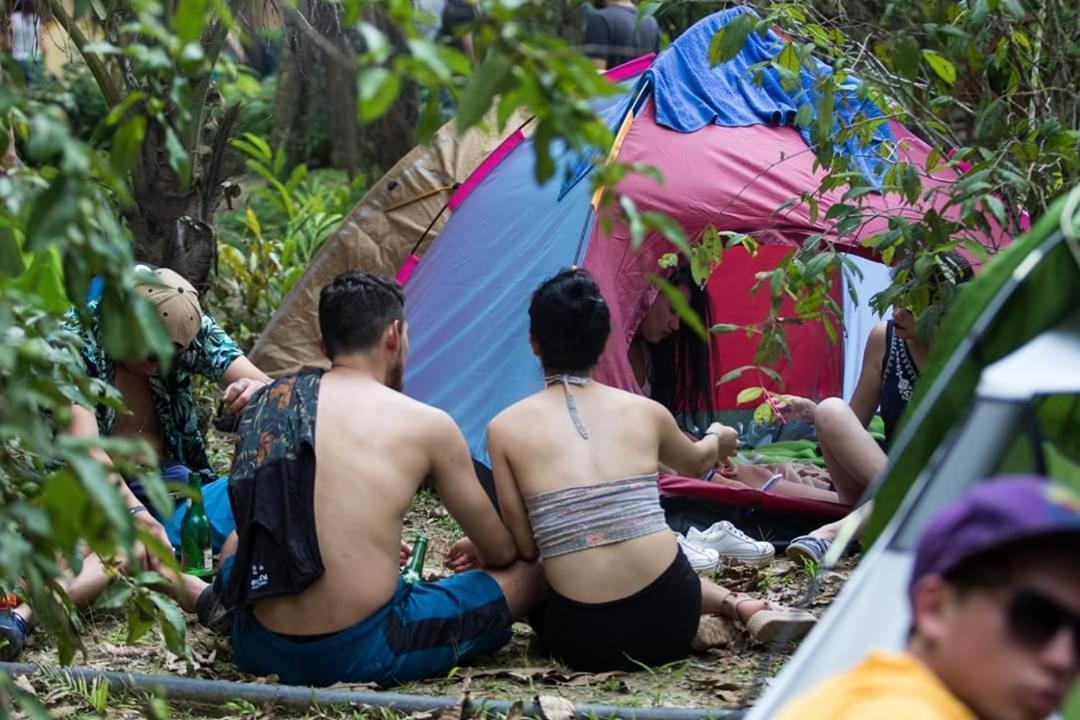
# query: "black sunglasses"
[[1034, 619]]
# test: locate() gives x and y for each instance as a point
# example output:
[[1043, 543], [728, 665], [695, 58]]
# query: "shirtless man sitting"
[[326, 468]]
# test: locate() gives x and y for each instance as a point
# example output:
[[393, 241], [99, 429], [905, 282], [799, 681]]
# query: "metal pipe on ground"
[[216, 692]]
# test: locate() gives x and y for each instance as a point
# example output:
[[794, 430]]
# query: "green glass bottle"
[[413, 572], [196, 557]]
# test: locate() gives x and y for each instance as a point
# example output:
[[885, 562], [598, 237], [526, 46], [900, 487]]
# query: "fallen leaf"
[[62, 711], [578, 679], [553, 707]]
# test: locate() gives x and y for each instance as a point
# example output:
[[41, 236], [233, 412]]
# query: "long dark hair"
[[681, 363]]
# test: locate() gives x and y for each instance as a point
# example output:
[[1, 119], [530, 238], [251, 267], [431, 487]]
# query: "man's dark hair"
[[354, 310], [569, 321]]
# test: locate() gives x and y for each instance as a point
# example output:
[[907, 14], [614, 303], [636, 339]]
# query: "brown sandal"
[[772, 624]]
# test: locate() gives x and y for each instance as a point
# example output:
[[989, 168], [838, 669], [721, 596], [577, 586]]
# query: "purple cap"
[[992, 514]]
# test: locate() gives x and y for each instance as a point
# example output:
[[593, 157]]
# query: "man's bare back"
[[373, 449], [325, 470]]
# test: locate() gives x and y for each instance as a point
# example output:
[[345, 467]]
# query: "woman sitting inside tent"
[[575, 470], [894, 353], [672, 364]]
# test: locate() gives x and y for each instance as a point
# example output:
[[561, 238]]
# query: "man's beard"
[[395, 376]]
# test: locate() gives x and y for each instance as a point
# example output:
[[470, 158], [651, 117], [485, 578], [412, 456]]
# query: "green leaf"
[[996, 208], [729, 40], [941, 66], [733, 374], [646, 10], [721, 328], [830, 329], [979, 12], [481, 90], [681, 306], [669, 228], [173, 625], [788, 58], [11, 257], [977, 249], [53, 212], [1014, 8], [428, 55], [905, 56], [127, 143], [749, 394], [101, 490], [140, 618], [190, 20], [65, 501], [431, 120], [375, 43], [378, 88], [805, 116], [633, 221], [115, 597], [179, 160], [30, 705]]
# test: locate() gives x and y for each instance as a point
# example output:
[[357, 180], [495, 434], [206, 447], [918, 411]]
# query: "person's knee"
[[833, 415], [523, 586]]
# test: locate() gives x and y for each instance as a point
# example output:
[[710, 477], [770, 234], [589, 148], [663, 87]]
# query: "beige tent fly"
[[377, 236]]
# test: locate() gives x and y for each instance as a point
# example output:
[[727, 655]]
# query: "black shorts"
[[653, 627]]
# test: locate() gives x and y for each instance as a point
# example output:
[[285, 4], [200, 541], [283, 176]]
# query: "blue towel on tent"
[[689, 93]]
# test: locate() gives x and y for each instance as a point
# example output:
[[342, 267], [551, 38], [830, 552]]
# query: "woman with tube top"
[[575, 468]]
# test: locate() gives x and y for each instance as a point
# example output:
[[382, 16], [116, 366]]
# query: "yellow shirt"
[[883, 687]]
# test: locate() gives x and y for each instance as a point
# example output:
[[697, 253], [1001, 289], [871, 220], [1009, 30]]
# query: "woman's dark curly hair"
[[681, 365], [569, 321]]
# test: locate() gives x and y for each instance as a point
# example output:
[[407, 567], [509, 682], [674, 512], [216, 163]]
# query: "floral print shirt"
[[209, 355]]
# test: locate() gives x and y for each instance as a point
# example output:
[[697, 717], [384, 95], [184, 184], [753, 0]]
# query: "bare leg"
[[830, 531], [522, 585], [714, 602], [756, 476], [851, 454]]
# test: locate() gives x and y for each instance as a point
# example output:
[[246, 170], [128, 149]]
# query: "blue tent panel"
[[467, 302]]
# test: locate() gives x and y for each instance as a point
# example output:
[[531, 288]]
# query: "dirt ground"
[[731, 676]]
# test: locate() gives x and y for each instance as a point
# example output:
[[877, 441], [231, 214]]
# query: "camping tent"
[[712, 134], [1001, 395], [729, 155], [405, 207]]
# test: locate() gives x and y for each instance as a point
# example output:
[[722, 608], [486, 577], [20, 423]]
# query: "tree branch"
[[93, 61], [201, 88]]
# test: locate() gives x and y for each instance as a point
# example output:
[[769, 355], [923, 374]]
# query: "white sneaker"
[[702, 559], [729, 541]]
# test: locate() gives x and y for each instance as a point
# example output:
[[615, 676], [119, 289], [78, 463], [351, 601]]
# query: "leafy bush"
[[265, 247]]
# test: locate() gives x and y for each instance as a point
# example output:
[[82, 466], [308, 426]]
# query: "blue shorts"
[[426, 629], [215, 500]]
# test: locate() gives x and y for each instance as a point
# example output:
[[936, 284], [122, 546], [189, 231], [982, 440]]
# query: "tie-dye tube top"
[[578, 518]]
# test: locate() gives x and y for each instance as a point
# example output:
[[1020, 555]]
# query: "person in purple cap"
[[995, 607]]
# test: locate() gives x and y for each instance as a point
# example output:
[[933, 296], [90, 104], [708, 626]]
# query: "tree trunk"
[[173, 225], [315, 105]]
